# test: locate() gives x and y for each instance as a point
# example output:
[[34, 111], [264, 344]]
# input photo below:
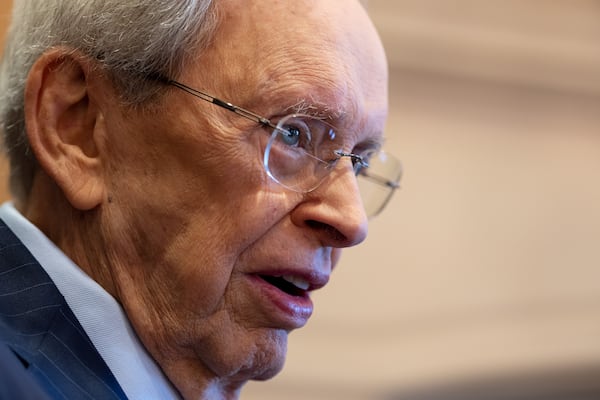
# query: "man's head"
[[128, 39], [163, 198]]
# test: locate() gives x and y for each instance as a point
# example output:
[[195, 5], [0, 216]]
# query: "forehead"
[[318, 53]]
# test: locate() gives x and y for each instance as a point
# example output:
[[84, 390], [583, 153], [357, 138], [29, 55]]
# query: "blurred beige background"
[[487, 262], [5, 6]]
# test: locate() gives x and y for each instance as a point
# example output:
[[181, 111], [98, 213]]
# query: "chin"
[[266, 359], [270, 372]]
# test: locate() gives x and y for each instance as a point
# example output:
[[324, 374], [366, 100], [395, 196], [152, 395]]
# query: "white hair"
[[130, 39]]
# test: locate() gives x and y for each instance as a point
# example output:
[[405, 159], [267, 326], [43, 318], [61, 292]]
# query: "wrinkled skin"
[[170, 209]]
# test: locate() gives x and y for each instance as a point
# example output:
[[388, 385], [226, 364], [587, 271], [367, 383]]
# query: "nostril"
[[328, 230]]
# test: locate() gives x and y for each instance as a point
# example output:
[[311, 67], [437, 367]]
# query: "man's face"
[[198, 236]]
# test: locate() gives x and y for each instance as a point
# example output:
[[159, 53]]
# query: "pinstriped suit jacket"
[[16, 382], [39, 327]]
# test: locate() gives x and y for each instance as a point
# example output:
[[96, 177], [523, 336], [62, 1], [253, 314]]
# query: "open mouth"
[[292, 286]]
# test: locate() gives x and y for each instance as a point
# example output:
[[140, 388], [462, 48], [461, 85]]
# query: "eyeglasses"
[[303, 150]]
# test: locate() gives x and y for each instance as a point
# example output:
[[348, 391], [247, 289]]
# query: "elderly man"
[[160, 246]]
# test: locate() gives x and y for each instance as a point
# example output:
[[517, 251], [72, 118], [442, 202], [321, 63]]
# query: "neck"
[[75, 232], [190, 387]]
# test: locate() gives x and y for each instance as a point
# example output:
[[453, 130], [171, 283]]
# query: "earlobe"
[[64, 125]]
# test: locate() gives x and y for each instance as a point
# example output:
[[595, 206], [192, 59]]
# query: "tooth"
[[298, 282]]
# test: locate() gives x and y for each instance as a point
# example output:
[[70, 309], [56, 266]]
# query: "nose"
[[334, 211]]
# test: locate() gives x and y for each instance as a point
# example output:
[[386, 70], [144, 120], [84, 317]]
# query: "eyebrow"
[[327, 113], [372, 143], [316, 109]]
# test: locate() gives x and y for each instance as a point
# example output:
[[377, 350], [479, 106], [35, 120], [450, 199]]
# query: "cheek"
[[204, 258]]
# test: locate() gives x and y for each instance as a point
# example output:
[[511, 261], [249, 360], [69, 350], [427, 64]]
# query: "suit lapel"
[[39, 326]]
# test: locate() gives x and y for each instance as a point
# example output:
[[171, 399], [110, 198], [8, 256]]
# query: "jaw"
[[222, 372]]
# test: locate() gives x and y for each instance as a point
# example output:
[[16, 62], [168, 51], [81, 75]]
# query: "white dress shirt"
[[100, 315]]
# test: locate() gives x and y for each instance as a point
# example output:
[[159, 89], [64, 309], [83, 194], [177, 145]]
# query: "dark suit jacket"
[[41, 330], [15, 381]]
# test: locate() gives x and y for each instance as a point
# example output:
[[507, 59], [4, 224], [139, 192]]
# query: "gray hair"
[[130, 39]]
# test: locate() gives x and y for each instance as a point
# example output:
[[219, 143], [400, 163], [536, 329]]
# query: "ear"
[[64, 123]]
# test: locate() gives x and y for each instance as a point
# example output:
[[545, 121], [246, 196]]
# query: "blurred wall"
[[5, 6]]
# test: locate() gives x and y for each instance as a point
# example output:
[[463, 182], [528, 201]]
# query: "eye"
[[364, 161], [291, 136], [296, 133]]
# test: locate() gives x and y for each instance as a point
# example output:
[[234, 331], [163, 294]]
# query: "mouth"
[[285, 298], [290, 285]]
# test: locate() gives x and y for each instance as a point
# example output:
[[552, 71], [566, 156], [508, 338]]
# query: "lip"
[[287, 311]]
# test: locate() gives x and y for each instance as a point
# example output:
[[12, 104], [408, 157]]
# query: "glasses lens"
[[302, 151], [299, 153], [378, 182]]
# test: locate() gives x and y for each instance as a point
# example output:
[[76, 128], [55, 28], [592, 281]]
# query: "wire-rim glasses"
[[303, 149]]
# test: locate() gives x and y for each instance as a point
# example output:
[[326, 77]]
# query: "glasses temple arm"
[[216, 101], [378, 179]]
